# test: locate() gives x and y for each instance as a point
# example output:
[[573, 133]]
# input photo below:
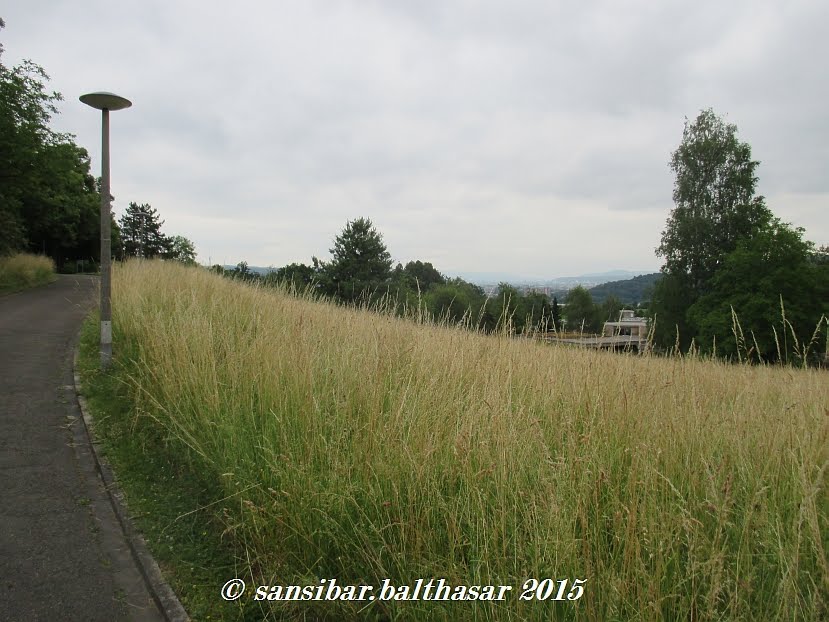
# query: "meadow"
[[24, 270], [351, 444]]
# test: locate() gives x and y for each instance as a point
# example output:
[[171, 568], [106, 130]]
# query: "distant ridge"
[[564, 282], [629, 286], [629, 291], [258, 269]]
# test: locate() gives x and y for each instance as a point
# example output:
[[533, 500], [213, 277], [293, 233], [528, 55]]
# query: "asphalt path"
[[63, 554]]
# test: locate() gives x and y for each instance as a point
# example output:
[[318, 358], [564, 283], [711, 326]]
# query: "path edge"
[[161, 592]]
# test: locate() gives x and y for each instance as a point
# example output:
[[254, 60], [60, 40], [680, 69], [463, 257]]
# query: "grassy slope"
[[349, 445], [23, 270]]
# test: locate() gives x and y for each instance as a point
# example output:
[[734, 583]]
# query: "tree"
[[773, 267], [48, 199], [628, 291], [670, 301], [26, 109], [715, 207], [141, 232], [242, 272], [450, 303], [297, 275], [580, 311], [608, 310], [714, 198], [181, 249], [422, 275], [459, 301], [360, 262], [61, 212], [506, 305], [555, 315], [539, 312]]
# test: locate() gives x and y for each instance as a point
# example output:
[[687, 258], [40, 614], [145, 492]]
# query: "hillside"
[[342, 443], [629, 291]]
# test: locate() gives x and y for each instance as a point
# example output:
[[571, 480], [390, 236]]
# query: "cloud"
[[528, 138]]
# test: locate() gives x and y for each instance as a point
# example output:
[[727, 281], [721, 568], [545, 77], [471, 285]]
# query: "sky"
[[529, 137]]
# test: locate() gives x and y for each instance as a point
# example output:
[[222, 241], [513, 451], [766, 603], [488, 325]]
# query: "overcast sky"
[[526, 137]]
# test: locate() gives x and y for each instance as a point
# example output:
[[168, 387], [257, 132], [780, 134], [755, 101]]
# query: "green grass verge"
[[169, 502], [23, 271]]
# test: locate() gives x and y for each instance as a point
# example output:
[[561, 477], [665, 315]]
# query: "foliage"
[[555, 315], [670, 302], [360, 272], [580, 311], [714, 200], [298, 275], [715, 206], [538, 312], [521, 313], [25, 111], [608, 310], [628, 291], [728, 261], [419, 275], [141, 234], [242, 272], [181, 249], [459, 302], [360, 263], [49, 202], [506, 305], [767, 292]]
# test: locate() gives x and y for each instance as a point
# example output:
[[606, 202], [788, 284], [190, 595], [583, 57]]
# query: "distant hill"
[[488, 278], [562, 283], [629, 291], [258, 269]]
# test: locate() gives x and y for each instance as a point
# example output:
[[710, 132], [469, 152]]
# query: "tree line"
[[361, 271], [50, 203], [140, 235]]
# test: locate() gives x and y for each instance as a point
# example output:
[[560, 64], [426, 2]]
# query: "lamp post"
[[105, 102]]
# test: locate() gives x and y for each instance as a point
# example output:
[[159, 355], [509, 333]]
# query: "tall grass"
[[361, 446], [25, 270]]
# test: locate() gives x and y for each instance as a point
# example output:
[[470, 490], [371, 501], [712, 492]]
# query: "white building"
[[633, 329]]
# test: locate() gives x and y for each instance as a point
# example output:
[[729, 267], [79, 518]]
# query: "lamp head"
[[105, 101]]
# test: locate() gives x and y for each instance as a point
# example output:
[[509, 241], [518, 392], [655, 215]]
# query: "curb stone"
[[166, 600]]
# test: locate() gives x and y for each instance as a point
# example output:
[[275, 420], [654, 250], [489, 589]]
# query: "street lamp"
[[105, 102]]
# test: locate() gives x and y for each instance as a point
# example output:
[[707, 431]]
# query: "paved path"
[[63, 555]]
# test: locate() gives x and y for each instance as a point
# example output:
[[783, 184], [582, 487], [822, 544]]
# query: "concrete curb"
[[166, 600]]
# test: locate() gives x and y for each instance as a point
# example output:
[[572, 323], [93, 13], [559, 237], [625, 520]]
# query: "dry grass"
[[361, 446], [25, 270]]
